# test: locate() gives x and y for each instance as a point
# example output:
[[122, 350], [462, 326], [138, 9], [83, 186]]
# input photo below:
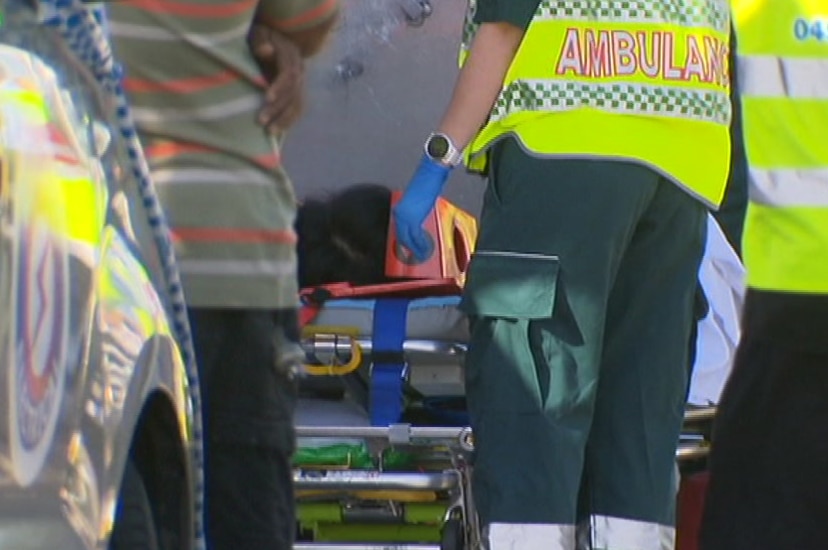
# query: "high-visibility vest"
[[783, 75], [644, 81]]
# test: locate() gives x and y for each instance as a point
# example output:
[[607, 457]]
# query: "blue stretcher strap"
[[388, 371]]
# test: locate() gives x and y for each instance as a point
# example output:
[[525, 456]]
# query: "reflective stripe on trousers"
[[525, 536], [599, 533], [624, 534]]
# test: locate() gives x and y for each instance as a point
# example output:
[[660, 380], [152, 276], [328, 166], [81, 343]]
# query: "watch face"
[[438, 147]]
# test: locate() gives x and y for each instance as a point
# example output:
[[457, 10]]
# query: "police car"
[[97, 417]]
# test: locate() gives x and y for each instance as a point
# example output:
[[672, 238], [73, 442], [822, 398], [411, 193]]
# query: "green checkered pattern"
[[556, 96], [469, 27], [694, 13]]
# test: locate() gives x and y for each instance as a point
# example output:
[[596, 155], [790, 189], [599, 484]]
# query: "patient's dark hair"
[[342, 237]]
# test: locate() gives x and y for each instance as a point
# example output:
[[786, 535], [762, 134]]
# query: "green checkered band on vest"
[[556, 96], [469, 27], [707, 13]]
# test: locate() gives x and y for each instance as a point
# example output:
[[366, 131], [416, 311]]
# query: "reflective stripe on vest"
[[663, 65], [783, 75]]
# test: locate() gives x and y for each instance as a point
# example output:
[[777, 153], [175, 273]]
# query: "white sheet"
[[723, 279]]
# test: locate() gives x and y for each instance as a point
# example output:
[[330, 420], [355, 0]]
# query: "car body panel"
[[85, 321]]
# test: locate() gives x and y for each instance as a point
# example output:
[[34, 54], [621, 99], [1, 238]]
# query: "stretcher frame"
[[456, 444]]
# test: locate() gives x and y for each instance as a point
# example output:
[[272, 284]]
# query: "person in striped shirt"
[[213, 84]]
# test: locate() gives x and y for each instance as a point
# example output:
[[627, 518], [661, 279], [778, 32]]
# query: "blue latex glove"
[[417, 201]]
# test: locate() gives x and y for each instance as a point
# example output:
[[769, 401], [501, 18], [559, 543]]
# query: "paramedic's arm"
[[480, 81], [502, 26]]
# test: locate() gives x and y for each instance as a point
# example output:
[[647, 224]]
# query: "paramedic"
[[769, 462], [211, 126], [605, 134]]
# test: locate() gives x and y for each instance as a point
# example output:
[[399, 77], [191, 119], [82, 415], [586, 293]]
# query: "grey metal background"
[[374, 94]]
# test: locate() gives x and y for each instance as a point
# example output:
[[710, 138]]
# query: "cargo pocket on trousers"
[[504, 293]]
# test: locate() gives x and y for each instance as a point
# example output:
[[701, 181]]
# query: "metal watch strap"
[[453, 156]]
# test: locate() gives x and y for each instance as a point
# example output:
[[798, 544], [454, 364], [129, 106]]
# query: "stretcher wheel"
[[453, 536], [134, 524]]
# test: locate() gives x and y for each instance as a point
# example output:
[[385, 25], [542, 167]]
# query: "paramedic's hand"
[[417, 201], [283, 68]]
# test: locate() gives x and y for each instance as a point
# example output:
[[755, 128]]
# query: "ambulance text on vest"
[[652, 54]]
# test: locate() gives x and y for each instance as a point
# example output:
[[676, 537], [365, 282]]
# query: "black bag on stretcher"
[[414, 315]]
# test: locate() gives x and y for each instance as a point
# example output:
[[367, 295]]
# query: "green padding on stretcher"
[[351, 456], [422, 523], [430, 513], [331, 512], [354, 457], [332, 533], [319, 512]]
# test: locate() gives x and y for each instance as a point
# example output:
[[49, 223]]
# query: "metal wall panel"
[[375, 93]]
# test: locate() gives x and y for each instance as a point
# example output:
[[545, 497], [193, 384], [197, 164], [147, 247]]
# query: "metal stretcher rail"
[[406, 434], [699, 414], [350, 480], [334, 546], [401, 434], [692, 452], [323, 343], [461, 436]]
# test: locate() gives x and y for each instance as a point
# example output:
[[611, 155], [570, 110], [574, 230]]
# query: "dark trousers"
[[769, 461], [581, 295], [245, 359]]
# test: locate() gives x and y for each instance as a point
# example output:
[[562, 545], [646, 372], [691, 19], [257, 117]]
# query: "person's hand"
[[417, 201], [283, 68]]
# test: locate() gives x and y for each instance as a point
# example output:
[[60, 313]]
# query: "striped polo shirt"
[[195, 91]]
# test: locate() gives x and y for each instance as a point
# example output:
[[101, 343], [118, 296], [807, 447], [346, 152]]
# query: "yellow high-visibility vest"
[[783, 75], [642, 81]]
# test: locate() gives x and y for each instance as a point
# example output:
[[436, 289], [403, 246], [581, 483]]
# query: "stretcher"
[[405, 484], [385, 461]]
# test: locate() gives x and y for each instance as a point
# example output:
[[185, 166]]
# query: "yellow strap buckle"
[[334, 333]]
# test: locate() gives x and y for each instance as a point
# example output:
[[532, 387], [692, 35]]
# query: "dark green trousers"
[[580, 296]]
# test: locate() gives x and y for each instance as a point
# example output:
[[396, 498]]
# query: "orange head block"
[[452, 232]]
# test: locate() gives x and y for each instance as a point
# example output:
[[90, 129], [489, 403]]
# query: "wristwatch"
[[439, 148]]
